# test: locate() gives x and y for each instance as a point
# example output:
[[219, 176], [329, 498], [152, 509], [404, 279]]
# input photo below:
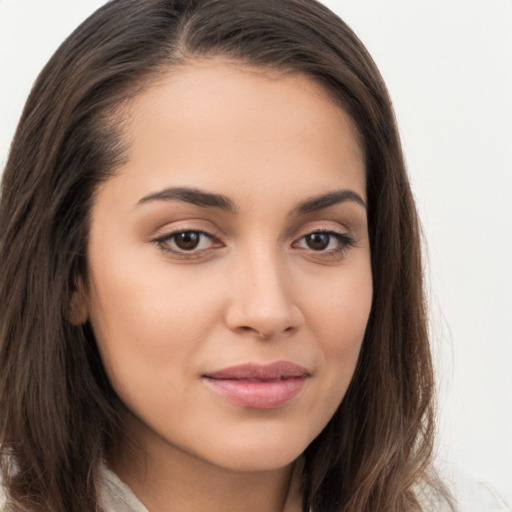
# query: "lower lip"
[[257, 394]]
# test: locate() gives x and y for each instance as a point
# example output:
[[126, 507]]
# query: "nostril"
[[266, 323], [260, 334], [254, 331]]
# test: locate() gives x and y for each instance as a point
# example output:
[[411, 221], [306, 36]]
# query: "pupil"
[[318, 241], [188, 240]]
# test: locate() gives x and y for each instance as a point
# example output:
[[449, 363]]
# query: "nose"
[[263, 303]]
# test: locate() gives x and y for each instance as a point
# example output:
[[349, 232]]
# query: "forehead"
[[217, 121]]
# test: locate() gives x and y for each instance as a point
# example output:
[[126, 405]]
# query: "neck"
[[166, 479]]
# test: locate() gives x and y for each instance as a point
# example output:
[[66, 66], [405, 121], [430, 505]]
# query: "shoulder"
[[471, 494], [115, 495], [3, 498]]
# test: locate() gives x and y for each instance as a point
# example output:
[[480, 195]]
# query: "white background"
[[448, 66]]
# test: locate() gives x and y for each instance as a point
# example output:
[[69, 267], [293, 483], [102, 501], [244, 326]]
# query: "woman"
[[211, 288]]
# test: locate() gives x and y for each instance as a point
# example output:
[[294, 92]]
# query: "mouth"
[[258, 386]]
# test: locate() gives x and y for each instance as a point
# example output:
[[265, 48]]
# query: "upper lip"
[[273, 371]]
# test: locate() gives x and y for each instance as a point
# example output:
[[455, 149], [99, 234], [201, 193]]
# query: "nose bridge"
[[263, 302]]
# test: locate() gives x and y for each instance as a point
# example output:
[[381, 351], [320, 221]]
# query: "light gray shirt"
[[471, 495]]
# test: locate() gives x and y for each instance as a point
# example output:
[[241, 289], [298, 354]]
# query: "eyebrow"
[[192, 196], [326, 200], [211, 200]]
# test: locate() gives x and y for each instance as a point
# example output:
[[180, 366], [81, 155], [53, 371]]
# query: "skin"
[[253, 290]]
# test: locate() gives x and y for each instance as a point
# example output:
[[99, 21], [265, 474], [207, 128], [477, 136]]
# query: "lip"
[[258, 386]]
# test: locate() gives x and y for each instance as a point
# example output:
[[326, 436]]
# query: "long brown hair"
[[57, 407]]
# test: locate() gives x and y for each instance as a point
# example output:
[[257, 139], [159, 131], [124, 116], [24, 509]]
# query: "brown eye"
[[318, 241], [326, 244], [188, 240], [190, 243]]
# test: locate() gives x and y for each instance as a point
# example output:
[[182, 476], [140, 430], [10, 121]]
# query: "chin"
[[259, 453], [261, 460]]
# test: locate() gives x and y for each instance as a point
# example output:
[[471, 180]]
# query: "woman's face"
[[229, 281]]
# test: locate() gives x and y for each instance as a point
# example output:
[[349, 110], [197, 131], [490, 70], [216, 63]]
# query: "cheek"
[[339, 307], [147, 324], [338, 314]]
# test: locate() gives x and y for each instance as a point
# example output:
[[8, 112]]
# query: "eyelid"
[[181, 225], [323, 227]]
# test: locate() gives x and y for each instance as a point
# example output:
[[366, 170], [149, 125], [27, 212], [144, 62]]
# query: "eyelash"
[[345, 242], [163, 242]]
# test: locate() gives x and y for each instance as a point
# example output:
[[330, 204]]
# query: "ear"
[[78, 307]]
